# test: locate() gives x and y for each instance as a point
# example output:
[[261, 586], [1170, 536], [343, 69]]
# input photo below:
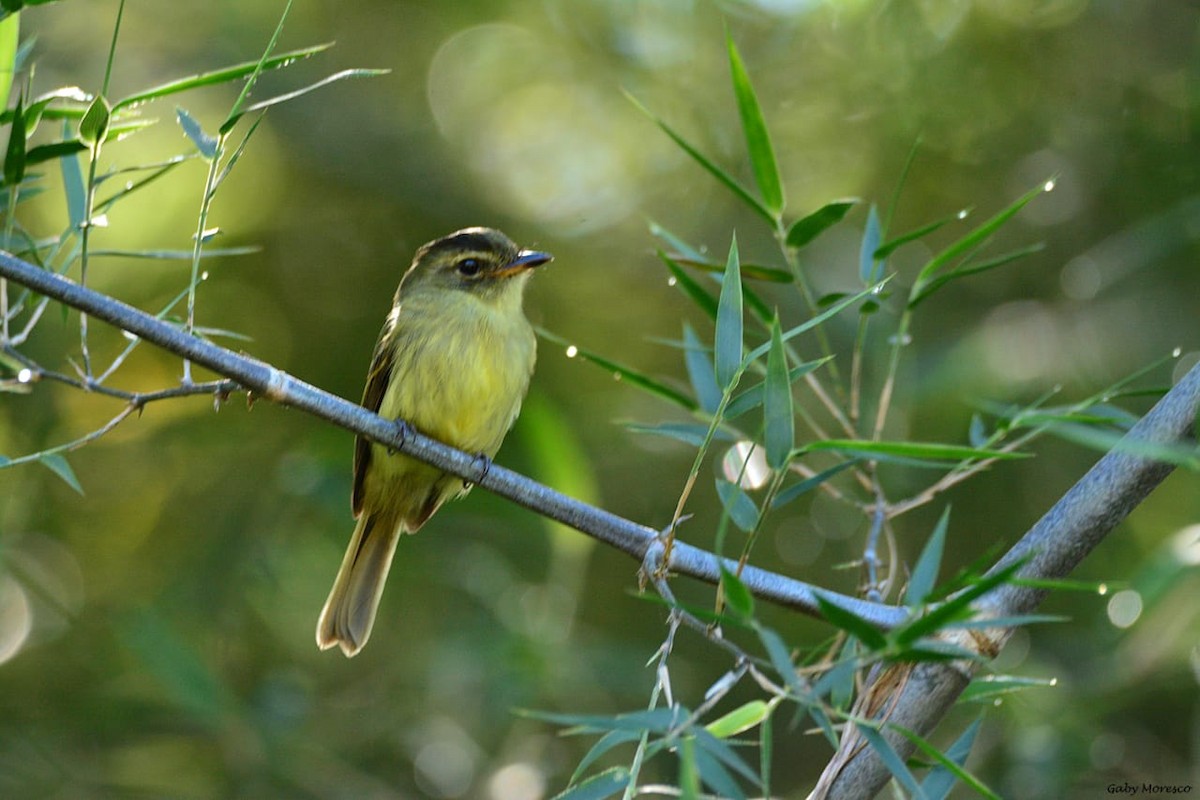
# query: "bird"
[[453, 361]]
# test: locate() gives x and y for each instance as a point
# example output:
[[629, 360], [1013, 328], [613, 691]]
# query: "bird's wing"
[[377, 381]]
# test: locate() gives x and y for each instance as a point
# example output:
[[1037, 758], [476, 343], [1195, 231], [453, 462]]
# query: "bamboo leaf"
[[708, 165], [808, 484], [599, 786], [925, 573], [727, 348], [14, 156], [753, 271], [806, 229], [207, 145], [779, 422], [739, 720], [94, 126], [219, 76], [892, 245], [693, 290], [852, 624], [758, 141], [974, 269], [914, 450], [700, 371], [872, 233], [57, 464], [891, 759], [741, 508], [73, 187], [283, 98]]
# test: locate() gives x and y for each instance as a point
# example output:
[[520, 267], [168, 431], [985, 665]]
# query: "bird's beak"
[[526, 259]]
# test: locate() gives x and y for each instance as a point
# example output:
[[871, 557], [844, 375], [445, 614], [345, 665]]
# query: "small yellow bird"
[[453, 360]]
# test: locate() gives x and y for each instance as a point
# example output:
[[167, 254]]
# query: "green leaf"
[[781, 659], [605, 743], [754, 271], [988, 687], [657, 720], [892, 245], [914, 450], [972, 240], [808, 484], [14, 156], [924, 574], [973, 269], [725, 754], [93, 128], [832, 311], [52, 151], [283, 98], [57, 464], [741, 508], [716, 777], [739, 720], [752, 398], [737, 596], [851, 623], [700, 371], [806, 229], [599, 786], [691, 433], [675, 242], [949, 769], [224, 75], [872, 233], [765, 753], [727, 348], [891, 759], [10, 29], [693, 290], [758, 141], [207, 145], [955, 609], [626, 374], [689, 774], [176, 255], [779, 430], [708, 165]]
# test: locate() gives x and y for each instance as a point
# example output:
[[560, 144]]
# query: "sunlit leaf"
[[754, 271], [758, 141], [740, 719], [283, 98], [974, 269], [913, 450], [727, 347], [207, 145], [989, 687], [718, 173], [218, 76], [779, 430], [94, 126], [806, 229], [10, 29], [691, 433], [924, 574], [807, 325]]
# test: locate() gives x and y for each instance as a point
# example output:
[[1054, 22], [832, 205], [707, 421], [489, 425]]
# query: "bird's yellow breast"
[[460, 368]]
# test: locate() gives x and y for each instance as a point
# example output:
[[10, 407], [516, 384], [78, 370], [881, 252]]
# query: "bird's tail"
[[349, 612]]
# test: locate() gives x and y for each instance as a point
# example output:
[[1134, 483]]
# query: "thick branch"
[[1052, 548], [273, 384]]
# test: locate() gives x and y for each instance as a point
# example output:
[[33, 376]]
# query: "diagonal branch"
[[1052, 548], [263, 380]]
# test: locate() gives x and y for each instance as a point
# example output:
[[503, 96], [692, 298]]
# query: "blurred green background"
[[157, 631]]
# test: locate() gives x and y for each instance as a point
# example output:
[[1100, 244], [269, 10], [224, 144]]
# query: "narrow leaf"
[[892, 245], [739, 720], [891, 759], [828, 313], [57, 464], [808, 484], [752, 398], [73, 187], [778, 421], [54, 150], [974, 269], [737, 596], [949, 769], [989, 687], [851, 623], [972, 240], [689, 774], [924, 574], [599, 786], [754, 271], [758, 141], [14, 156], [738, 504], [207, 145], [693, 290], [691, 433], [700, 371], [727, 349], [605, 743], [915, 450], [708, 165], [806, 229], [716, 777], [872, 234], [218, 76]]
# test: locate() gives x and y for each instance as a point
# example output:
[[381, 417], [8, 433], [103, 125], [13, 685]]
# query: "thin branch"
[[265, 381]]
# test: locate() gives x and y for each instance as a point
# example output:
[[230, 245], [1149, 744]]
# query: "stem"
[[198, 243]]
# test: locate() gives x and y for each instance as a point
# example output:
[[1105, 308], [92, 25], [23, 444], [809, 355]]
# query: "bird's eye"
[[469, 267]]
